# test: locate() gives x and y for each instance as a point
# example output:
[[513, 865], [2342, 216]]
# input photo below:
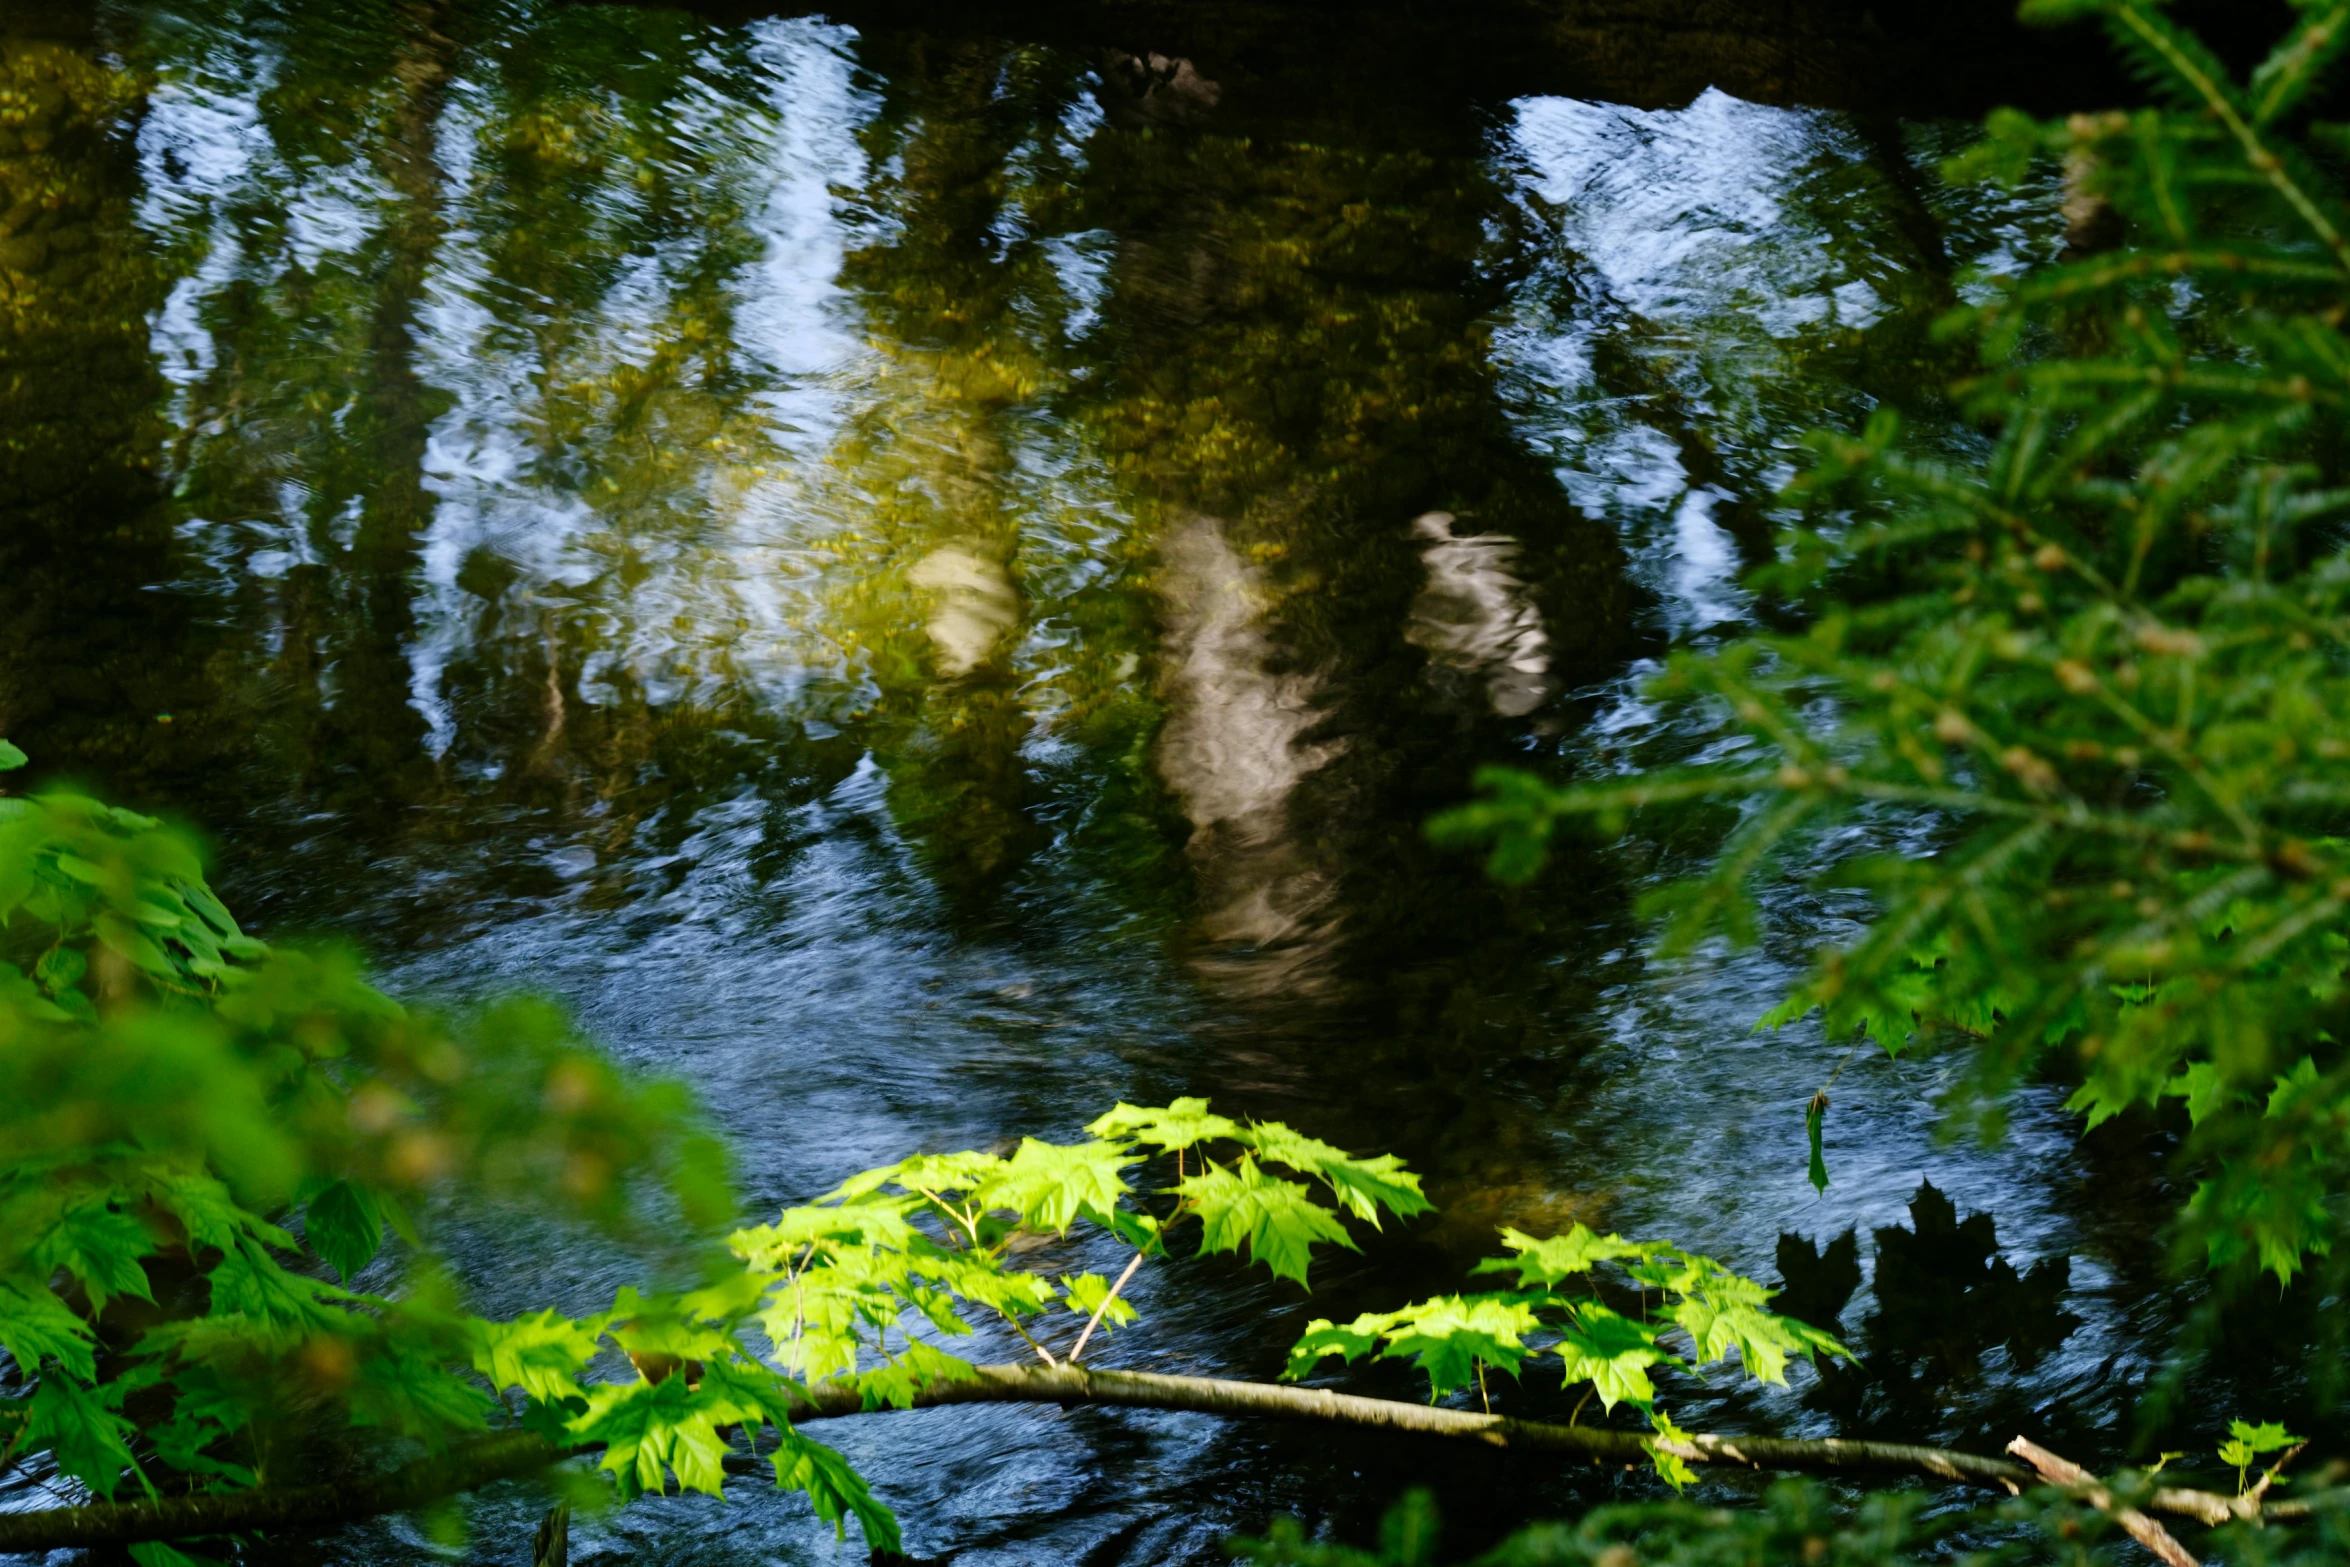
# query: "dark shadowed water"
[[927, 584]]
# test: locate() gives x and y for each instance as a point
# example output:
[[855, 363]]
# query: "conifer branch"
[[2223, 107]]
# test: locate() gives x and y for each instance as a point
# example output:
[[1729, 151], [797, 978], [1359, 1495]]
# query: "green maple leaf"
[[1090, 1292], [204, 1412], [1051, 1186], [2247, 1442], [1138, 1230], [202, 1202], [1671, 1467], [404, 1389], [1323, 1338], [1277, 1220], [731, 1298], [651, 1430], [945, 1173], [870, 1218], [1723, 1311], [814, 1322], [919, 1366], [344, 1225], [1184, 1124], [937, 1305], [247, 1282], [1687, 1273], [2290, 1087], [1763, 1341], [99, 1246], [1612, 1353], [2205, 1089], [1363, 1185], [2267, 1437], [1447, 1336], [740, 1390], [82, 1430], [836, 1489], [542, 1354], [662, 1326], [1560, 1257], [983, 1281]]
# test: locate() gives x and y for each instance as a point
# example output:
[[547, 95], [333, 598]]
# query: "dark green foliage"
[[2099, 662], [1807, 1522], [177, 1099]]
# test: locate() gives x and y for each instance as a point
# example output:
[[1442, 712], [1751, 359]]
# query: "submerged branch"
[[513, 1455]]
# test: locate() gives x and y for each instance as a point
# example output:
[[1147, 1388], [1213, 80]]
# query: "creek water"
[[927, 584]]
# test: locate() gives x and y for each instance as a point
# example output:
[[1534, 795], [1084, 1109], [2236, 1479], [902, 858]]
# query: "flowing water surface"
[[927, 584]]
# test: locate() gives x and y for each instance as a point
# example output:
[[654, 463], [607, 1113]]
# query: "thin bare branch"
[[1077, 1350]]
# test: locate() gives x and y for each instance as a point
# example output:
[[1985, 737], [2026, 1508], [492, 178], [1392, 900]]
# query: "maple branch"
[[2249, 1502], [505, 1457], [2212, 1508], [2139, 1527], [1042, 1353], [514, 1454]]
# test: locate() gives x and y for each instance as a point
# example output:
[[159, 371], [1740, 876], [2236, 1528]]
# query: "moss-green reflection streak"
[[943, 474], [609, 439], [1284, 360], [82, 522]]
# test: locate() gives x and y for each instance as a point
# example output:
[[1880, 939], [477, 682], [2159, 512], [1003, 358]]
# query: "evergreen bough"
[[2097, 657]]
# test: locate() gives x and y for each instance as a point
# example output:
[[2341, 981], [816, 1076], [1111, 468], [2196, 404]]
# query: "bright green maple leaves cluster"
[[1453, 1338], [1811, 1522], [2073, 705], [907, 1246], [863, 1283], [702, 1388], [2248, 1443]]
